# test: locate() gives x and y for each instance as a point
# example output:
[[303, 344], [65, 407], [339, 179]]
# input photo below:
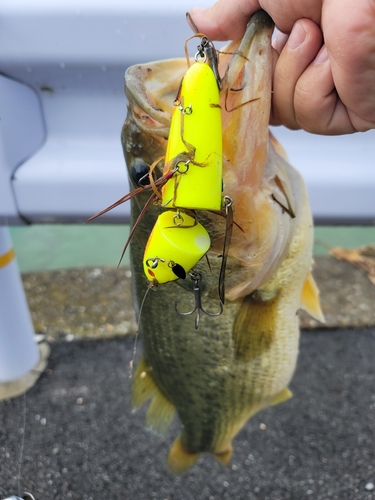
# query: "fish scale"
[[217, 376]]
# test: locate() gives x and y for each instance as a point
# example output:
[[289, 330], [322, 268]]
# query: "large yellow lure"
[[196, 129]]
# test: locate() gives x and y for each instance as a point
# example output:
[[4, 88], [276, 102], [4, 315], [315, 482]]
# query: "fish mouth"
[[254, 175], [246, 103]]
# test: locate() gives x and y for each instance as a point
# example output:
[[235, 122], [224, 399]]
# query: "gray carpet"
[[82, 441]]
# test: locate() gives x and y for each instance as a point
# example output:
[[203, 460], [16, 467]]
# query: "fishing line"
[[131, 364]]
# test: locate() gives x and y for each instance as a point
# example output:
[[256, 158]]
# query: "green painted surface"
[[46, 247], [342, 236]]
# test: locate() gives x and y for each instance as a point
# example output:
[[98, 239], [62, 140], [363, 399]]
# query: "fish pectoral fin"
[[310, 299], [224, 456], [160, 413], [254, 327], [179, 459], [144, 386], [281, 397]]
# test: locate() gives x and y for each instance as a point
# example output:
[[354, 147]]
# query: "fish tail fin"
[[161, 411], [310, 299], [224, 456], [179, 459]]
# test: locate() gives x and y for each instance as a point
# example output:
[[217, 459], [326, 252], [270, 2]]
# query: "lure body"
[[196, 129], [176, 240]]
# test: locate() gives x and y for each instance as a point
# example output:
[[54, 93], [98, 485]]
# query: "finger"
[[351, 48], [300, 50], [286, 13], [318, 108], [227, 19]]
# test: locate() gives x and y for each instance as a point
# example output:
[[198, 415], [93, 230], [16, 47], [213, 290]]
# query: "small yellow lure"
[[176, 243]]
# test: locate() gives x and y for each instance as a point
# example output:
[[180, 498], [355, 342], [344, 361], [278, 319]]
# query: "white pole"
[[20, 357]]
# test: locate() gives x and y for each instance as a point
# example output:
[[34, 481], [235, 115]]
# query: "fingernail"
[[190, 18], [297, 36], [191, 22], [322, 55], [279, 41]]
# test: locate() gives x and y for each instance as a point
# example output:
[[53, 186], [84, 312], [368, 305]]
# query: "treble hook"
[[196, 277]]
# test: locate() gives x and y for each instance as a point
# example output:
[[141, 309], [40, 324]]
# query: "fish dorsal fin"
[[160, 413], [179, 459], [310, 299], [281, 397]]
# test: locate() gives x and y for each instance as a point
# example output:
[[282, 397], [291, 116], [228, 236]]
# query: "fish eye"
[[139, 172]]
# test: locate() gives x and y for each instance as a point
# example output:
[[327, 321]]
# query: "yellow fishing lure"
[[195, 129], [176, 243]]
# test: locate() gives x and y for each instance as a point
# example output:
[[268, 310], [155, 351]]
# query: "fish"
[[217, 376]]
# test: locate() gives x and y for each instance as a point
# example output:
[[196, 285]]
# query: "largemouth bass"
[[219, 375]]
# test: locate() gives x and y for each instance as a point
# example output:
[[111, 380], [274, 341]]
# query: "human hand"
[[324, 77]]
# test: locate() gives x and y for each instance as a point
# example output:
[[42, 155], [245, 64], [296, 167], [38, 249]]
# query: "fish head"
[[256, 175]]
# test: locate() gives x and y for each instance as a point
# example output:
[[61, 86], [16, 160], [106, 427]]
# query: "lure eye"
[[179, 271], [139, 172]]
